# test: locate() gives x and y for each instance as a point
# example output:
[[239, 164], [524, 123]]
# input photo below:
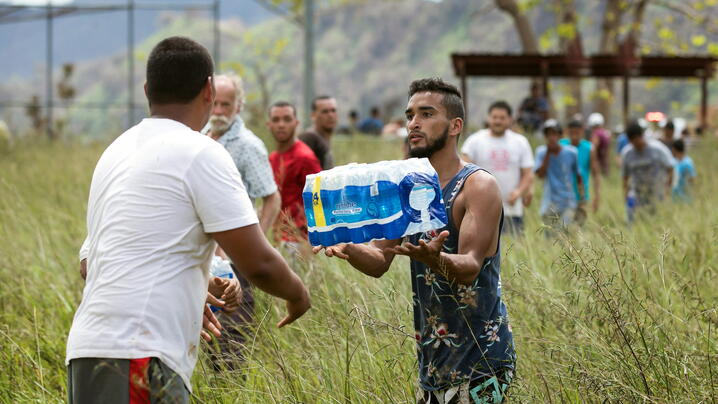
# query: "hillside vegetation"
[[366, 54]]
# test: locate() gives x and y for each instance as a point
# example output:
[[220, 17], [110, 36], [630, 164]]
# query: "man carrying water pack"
[[465, 344]]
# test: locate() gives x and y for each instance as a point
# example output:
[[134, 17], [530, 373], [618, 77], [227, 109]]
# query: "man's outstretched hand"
[[338, 251], [427, 253], [296, 308]]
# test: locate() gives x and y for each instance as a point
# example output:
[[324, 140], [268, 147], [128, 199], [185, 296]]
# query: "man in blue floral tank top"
[[464, 341]]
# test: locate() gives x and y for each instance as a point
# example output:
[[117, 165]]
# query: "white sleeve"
[[526, 159], [468, 147], [217, 191], [85, 249]]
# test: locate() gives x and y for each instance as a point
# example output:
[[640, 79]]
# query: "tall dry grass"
[[605, 315]]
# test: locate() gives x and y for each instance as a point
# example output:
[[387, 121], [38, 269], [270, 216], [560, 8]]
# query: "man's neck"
[[284, 146], [183, 113], [494, 134], [323, 133], [575, 142], [447, 163], [215, 135]]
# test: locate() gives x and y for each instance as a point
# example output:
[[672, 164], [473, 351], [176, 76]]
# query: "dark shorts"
[[124, 381], [484, 390]]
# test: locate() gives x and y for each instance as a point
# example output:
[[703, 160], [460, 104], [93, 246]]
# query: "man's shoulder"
[[183, 141], [482, 185], [656, 146], [480, 135], [516, 138], [309, 135], [248, 140], [627, 151], [304, 151]]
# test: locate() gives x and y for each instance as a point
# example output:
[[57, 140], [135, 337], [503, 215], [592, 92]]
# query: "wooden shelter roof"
[[507, 65]]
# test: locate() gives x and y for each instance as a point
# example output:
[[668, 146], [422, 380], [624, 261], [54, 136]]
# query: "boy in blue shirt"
[[685, 172], [558, 166], [587, 166]]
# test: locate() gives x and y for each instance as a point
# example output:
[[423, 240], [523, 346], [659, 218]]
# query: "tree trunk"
[[635, 33], [612, 16], [523, 25], [572, 48]]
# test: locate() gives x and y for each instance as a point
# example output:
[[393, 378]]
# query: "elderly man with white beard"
[[247, 150], [251, 158]]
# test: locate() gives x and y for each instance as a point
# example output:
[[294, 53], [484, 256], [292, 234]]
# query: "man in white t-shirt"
[[162, 197], [508, 156]]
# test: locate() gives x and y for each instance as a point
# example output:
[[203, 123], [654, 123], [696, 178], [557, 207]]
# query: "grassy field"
[[609, 315]]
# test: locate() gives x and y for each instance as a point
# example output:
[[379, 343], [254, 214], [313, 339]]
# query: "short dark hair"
[[319, 98], [451, 99], [177, 70], [374, 111], [280, 104], [679, 145], [501, 105], [634, 130], [353, 114], [670, 125], [575, 123]]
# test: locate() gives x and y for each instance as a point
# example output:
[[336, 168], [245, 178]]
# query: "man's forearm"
[[368, 259], [274, 276], [596, 186], [625, 187], [526, 182], [271, 206], [669, 182]]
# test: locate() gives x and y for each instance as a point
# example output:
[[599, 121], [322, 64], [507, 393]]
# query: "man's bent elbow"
[[377, 273]]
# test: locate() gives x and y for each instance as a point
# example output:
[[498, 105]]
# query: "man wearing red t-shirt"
[[291, 162]]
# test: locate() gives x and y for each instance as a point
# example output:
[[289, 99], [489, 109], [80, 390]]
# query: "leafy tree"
[[682, 27]]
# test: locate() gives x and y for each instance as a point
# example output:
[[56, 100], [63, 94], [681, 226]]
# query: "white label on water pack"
[[374, 189], [421, 196], [346, 208]]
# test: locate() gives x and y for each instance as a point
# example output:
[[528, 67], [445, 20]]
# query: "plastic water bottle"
[[357, 203], [222, 269], [631, 202]]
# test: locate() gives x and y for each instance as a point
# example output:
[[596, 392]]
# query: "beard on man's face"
[[219, 123], [432, 146]]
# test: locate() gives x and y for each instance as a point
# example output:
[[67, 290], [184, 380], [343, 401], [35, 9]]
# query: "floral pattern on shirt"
[[462, 331]]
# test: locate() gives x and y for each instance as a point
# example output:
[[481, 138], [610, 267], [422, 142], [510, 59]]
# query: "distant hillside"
[[80, 37], [366, 55]]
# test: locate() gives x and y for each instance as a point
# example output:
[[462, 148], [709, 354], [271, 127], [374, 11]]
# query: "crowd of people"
[[164, 199], [653, 163]]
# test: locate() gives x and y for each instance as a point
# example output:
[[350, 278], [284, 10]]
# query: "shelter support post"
[[626, 100], [464, 96], [217, 35], [704, 102], [49, 94], [130, 63]]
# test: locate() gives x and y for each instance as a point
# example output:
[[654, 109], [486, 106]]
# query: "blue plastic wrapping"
[[358, 203]]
